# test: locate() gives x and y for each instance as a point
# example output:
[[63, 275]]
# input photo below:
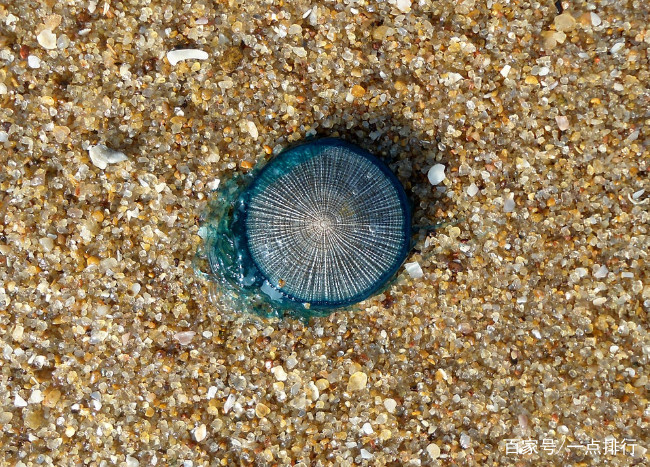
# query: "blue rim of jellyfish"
[[282, 164]]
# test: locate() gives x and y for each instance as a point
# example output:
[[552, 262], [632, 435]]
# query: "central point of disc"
[[324, 222]]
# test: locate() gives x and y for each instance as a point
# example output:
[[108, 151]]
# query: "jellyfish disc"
[[327, 224]]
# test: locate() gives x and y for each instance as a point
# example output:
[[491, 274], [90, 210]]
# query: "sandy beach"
[[523, 342]]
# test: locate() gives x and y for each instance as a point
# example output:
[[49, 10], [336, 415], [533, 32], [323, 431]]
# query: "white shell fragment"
[[47, 39], [634, 198], [403, 5], [414, 270], [229, 403], [102, 155], [33, 61], [175, 56], [617, 47], [436, 174], [19, 401], [595, 20]]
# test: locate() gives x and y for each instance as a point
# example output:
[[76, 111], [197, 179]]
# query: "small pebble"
[[357, 381], [36, 397], [62, 42], [601, 272], [562, 122], [200, 433], [279, 373], [101, 156], [291, 362], [414, 270], [358, 91], [436, 174], [564, 22], [52, 398], [505, 71], [509, 203], [381, 32], [390, 405], [185, 337], [239, 382], [472, 189], [213, 184], [433, 450], [530, 79], [60, 133], [262, 410], [18, 333], [365, 454], [449, 79], [47, 243], [638, 194], [252, 129]]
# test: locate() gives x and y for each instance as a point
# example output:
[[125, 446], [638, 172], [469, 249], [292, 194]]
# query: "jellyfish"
[[320, 227]]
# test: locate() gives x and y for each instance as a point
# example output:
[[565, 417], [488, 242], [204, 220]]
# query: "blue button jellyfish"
[[321, 226]]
